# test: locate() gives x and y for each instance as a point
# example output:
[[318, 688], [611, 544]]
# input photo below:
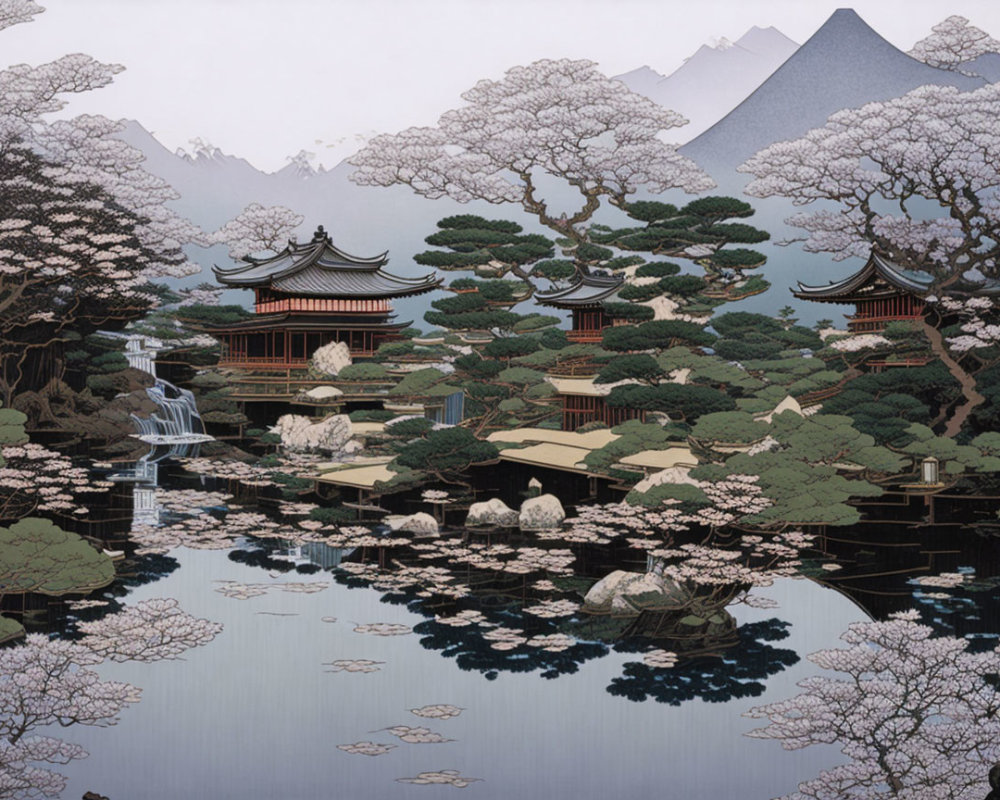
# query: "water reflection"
[[737, 672]]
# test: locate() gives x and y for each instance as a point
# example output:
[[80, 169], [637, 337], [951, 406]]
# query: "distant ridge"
[[714, 79], [844, 64]]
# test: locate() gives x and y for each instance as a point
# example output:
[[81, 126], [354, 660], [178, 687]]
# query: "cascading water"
[[176, 430], [178, 424]]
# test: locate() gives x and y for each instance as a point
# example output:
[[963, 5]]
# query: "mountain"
[[363, 220], [713, 80], [845, 64]]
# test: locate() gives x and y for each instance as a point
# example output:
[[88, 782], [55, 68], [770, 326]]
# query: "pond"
[[260, 712], [321, 684]]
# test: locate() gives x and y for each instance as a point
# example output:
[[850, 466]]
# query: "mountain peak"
[[714, 78], [845, 64]]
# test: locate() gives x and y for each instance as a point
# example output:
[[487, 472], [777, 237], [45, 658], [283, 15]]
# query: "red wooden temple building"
[[880, 291], [307, 296], [585, 298], [583, 402]]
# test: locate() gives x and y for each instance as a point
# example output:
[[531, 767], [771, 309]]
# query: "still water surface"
[[255, 714]]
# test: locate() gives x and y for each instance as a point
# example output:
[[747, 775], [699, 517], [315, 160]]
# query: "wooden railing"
[[584, 337], [322, 304], [881, 364]]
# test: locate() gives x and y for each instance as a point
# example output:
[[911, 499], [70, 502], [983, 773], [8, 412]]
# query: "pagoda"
[[880, 291], [307, 296], [585, 299]]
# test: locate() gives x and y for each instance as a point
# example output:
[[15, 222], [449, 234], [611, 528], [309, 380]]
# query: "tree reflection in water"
[[737, 672], [514, 604]]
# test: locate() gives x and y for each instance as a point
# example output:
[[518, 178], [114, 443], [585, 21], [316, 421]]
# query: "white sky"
[[264, 79]]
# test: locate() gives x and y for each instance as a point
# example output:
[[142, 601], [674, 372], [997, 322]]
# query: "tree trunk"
[[967, 381]]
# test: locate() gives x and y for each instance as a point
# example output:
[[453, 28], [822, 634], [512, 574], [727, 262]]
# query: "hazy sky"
[[265, 80]]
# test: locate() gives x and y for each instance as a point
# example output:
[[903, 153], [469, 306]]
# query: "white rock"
[[323, 392], [628, 593], [665, 308], [421, 524], [332, 358], [492, 512], [541, 513], [669, 475], [302, 434]]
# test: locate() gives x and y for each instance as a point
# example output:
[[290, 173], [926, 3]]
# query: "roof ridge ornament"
[[321, 235]]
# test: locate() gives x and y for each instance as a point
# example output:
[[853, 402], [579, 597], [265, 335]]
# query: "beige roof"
[[358, 477], [590, 441], [360, 461], [582, 386], [553, 456], [361, 474], [662, 459]]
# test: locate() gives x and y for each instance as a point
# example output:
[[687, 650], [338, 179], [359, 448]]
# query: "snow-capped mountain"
[[714, 79]]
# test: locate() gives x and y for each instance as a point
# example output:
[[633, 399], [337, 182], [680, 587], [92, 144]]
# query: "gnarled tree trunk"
[[966, 380]]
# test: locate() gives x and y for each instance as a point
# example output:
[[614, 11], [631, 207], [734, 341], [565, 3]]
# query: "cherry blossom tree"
[[915, 178], [85, 226], [257, 229], [46, 682], [561, 120], [71, 261], [49, 682], [11, 13], [915, 715], [952, 44]]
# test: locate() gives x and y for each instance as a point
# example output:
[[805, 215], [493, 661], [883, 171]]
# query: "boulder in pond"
[[419, 524], [492, 512], [541, 513], [628, 593]]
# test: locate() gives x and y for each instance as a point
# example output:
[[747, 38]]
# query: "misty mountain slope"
[[362, 220], [714, 79], [844, 64]]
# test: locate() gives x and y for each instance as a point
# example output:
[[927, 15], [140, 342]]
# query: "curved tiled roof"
[[587, 290], [318, 268], [876, 270]]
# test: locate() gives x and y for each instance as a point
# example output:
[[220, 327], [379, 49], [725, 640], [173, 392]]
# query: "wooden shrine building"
[[880, 291], [585, 299], [307, 296]]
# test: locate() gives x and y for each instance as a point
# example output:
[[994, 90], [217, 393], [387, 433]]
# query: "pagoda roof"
[[319, 268], [587, 290], [878, 277]]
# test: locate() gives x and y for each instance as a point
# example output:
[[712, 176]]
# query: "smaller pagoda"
[[585, 298], [880, 291], [310, 295]]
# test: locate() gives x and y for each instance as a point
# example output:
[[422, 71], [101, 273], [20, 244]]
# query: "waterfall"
[[178, 424], [174, 430], [141, 357]]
